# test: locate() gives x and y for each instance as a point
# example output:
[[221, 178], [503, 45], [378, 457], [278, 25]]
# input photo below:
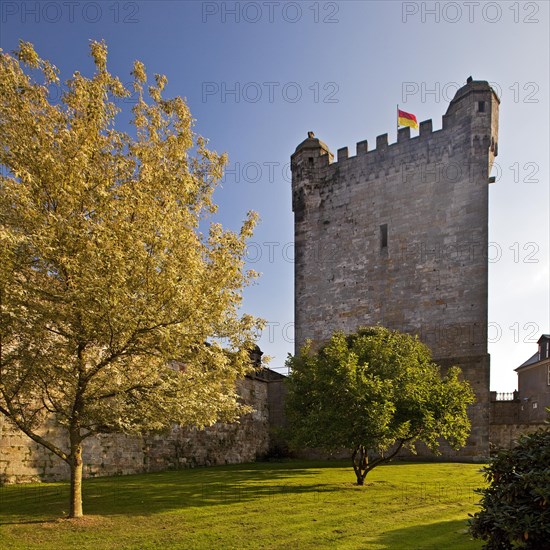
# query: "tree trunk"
[[75, 462], [361, 464], [360, 460]]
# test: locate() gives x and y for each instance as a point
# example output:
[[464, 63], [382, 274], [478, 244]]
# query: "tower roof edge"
[[311, 142], [473, 86]]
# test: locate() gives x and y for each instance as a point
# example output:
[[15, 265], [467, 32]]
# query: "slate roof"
[[531, 361]]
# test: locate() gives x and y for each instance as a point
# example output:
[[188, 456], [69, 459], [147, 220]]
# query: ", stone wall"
[[23, 460], [509, 420], [476, 370], [506, 412], [219, 444], [398, 236], [505, 436]]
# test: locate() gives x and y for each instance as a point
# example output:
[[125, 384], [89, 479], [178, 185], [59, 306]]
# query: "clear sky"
[[259, 75]]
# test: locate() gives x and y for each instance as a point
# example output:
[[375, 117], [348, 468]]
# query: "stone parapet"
[[23, 460]]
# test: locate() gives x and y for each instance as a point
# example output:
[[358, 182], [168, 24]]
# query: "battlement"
[[382, 144], [473, 110]]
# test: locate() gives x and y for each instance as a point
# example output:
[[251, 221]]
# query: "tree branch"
[[124, 350], [383, 459], [127, 390]]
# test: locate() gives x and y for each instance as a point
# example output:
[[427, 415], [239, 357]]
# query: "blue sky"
[[259, 75]]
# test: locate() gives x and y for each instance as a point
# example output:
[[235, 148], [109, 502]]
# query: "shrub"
[[515, 508]]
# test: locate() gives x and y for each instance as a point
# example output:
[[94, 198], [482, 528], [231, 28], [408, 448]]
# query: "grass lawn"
[[290, 505]]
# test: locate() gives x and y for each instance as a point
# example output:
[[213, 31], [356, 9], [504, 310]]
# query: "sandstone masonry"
[[23, 460]]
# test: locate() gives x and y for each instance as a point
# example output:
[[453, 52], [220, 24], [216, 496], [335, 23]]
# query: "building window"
[[548, 377], [535, 405], [310, 161], [481, 106], [384, 236]]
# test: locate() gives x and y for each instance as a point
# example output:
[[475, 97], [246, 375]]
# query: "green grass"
[[263, 505]]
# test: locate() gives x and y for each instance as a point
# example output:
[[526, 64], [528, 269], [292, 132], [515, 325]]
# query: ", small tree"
[[515, 507], [374, 392], [109, 293]]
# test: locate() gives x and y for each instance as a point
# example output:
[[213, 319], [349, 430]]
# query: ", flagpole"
[[397, 120]]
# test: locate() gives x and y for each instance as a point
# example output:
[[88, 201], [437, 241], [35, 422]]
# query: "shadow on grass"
[[152, 493], [434, 536], [147, 494]]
